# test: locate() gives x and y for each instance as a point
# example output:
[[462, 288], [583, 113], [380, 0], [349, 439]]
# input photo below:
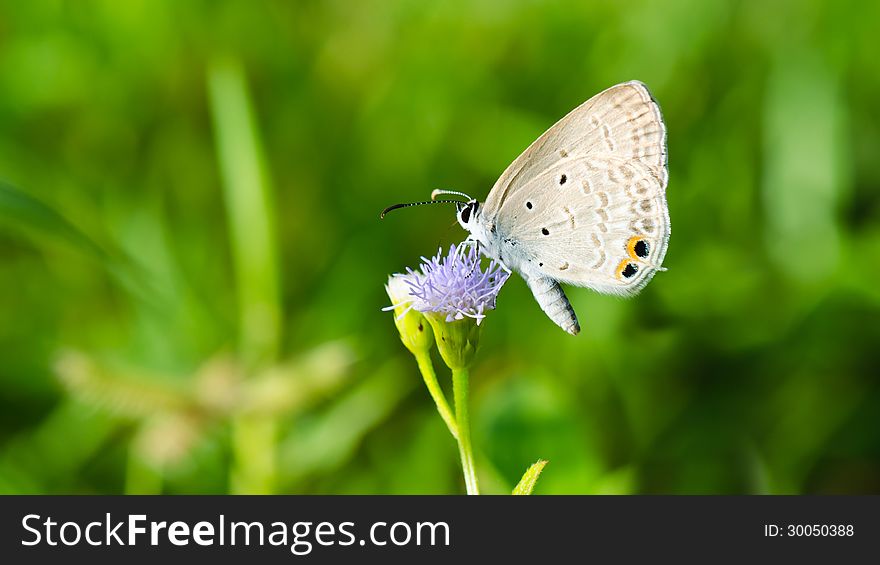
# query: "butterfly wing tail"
[[554, 303]]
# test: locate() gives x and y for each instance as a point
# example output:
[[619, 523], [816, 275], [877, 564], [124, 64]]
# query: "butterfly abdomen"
[[553, 302]]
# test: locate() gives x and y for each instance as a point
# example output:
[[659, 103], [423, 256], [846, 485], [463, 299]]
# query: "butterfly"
[[583, 205]]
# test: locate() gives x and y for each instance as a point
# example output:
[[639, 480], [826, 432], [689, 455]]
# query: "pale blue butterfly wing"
[[585, 204]]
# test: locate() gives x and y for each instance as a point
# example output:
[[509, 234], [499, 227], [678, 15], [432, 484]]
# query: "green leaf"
[[27, 213], [250, 209], [527, 482], [31, 217]]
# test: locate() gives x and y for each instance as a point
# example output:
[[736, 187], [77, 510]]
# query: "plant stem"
[[460, 394], [426, 367], [253, 448]]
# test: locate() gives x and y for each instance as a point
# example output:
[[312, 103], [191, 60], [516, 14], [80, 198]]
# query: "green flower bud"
[[456, 340], [415, 331]]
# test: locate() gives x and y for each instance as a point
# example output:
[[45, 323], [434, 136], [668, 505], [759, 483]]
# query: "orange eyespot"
[[638, 247], [626, 270]]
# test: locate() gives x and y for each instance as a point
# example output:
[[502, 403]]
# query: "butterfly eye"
[[466, 214]]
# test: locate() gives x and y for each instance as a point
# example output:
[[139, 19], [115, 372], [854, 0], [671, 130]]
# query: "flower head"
[[453, 294], [455, 285]]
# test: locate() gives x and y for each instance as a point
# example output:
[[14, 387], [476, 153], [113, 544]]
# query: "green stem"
[[253, 447], [426, 367], [460, 393]]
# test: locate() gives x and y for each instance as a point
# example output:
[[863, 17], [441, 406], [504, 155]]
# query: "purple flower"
[[454, 285]]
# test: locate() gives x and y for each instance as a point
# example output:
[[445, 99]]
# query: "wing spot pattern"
[[606, 133], [612, 175], [598, 243], [643, 114], [657, 177], [564, 266], [645, 225], [570, 216], [628, 270], [604, 215]]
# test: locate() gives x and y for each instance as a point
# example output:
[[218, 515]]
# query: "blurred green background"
[[192, 264]]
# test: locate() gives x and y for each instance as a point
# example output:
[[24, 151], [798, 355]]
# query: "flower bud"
[[457, 340], [415, 331]]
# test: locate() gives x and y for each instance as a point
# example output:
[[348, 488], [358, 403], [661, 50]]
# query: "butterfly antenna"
[[437, 192], [408, 204]]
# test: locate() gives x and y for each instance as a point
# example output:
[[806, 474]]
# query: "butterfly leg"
[[462, 250], [477, 262], [554, 303]]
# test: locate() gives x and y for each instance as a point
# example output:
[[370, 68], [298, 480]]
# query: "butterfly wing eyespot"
[[638, 247], [626, 270]]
